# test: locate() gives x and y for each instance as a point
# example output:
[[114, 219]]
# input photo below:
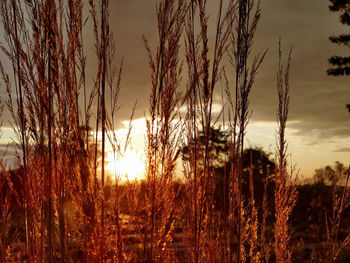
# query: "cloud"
[[10, 147], [342, 150], [8, 154], [317, 100]]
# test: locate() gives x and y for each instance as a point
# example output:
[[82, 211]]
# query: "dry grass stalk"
[[203, 72], [110, 230], [265, 245], [44, 50], [163, 133], [6, 192], [339, 204], [114, 235], [14, 19], [103, 45], [285, 192], [254, 253], [242, 36]]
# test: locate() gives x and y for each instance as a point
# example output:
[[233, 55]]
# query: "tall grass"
[[203, 73], [44, 49], [163, 132], [238, 96], [69, 210], [285, 192], [340, 201], [5, 200]]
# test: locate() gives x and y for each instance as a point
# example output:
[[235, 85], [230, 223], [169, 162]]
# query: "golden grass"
[[71, 213]]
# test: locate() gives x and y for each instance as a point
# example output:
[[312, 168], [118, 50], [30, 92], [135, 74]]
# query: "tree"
[[218, 148], [255, 159], [330, 175], [340, 65]]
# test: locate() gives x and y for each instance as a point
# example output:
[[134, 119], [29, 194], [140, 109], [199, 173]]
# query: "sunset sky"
[[319, 124], [319, 127]]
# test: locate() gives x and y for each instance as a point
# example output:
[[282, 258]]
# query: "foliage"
[[308, 222], [218, 148], [331, 175], [340, 65]]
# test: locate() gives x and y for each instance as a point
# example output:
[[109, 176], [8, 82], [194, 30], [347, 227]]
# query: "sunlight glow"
[[129, 166]]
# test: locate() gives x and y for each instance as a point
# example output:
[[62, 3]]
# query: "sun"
[[128, 166]]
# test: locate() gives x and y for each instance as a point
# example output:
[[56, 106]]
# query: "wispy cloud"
[[342, 150]]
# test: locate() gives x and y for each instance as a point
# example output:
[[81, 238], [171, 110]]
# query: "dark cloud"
[[8, 154], [10, 147], [342, 150], [317, 101]]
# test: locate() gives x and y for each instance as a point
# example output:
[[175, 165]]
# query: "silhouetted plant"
[[238, 97], [204, 71], [285, 192], [163, 135]]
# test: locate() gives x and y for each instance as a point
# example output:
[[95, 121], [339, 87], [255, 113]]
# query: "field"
[[73, 190]]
